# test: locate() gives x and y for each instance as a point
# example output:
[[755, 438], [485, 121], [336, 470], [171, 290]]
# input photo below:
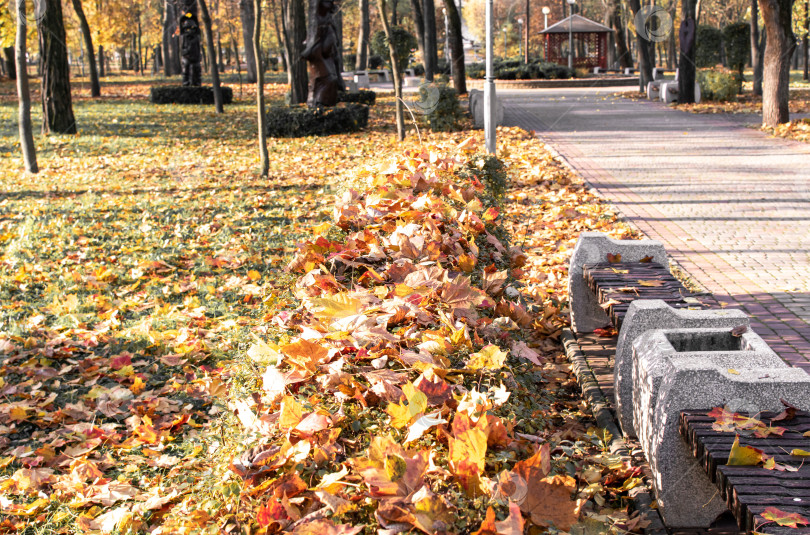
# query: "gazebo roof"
[[578, 24]]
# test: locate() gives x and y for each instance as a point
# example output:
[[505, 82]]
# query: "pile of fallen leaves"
[[161, 373], [798, 130], [418, 391]]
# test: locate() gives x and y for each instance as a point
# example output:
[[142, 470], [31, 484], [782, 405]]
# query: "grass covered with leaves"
[[367, 340]]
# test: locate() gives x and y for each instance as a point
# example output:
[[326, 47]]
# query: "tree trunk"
[[101, 71], [806, 74], [57, 106], [419, 24], [8, 60], [777, 15], [141, 62], [212, 55], [644, 64], [686, 64], [526, 31], [296, 32], [671, 45], [456, 47], [624, 57], [95, 87], [257, 53], [247, 13], [168, 23], [361, 61], [395, 70], [431, 40], [24, 94], [279, 34]]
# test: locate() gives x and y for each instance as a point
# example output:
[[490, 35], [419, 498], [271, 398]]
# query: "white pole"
[[489, 87]]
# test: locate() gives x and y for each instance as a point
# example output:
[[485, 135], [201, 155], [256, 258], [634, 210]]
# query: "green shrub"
[[376, 61], [441, 107], [717, 84], [737, 43], [301, 121], [404, 43], [708, 46], [363, 96], [178, 94]]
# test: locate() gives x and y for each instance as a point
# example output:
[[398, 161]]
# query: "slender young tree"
[[419, 25], [24, 94], [392, 52], [57, 105], [757, 48], [781, 42], [212, 55], [257, 52], [95, 86], [644, 63]]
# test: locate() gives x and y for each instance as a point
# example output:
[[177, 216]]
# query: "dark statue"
[[190, 49], [321, 53]]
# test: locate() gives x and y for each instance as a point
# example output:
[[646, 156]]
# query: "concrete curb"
[[559, 84], [642, 496]]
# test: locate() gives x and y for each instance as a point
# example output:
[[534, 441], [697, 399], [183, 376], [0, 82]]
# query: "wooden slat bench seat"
[[749, 490], [619, 284]]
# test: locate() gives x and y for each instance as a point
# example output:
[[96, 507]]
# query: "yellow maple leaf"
[[336, 307], [470, 447], [415, 404], [490, 357], [292, 413], [743, 455]]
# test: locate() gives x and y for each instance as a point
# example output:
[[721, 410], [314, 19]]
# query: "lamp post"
[[546, 11], [489, 86], [505, 55], [520, 41], [447, 43], [571, 34]]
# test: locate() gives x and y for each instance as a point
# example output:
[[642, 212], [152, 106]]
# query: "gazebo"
[[590, 42]]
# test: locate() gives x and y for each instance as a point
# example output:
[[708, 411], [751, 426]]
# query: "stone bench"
[[669, 92], [587, 313], [646, 315], [477, 108], [679, 369], [748, 490]]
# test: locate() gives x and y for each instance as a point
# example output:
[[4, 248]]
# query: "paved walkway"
[[731, 205]]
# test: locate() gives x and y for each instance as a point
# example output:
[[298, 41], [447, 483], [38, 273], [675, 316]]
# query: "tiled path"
[[731, 205]]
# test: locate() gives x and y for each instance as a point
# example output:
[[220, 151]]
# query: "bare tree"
[[95, 86], [247, 14], [24, 94], [686, 65], [781, 42], [257, 52], [644, 63], [361, 61], [392, 52], [457, 46], [212, 55], [430, 52], [757, 48], [295, 32]]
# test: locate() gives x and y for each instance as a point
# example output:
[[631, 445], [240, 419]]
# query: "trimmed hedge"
[[301, 121], [708, 46], [178, 94], [515, 69], [361, 97]]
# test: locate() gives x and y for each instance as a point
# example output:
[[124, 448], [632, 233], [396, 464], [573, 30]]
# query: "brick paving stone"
[[731, 204]]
